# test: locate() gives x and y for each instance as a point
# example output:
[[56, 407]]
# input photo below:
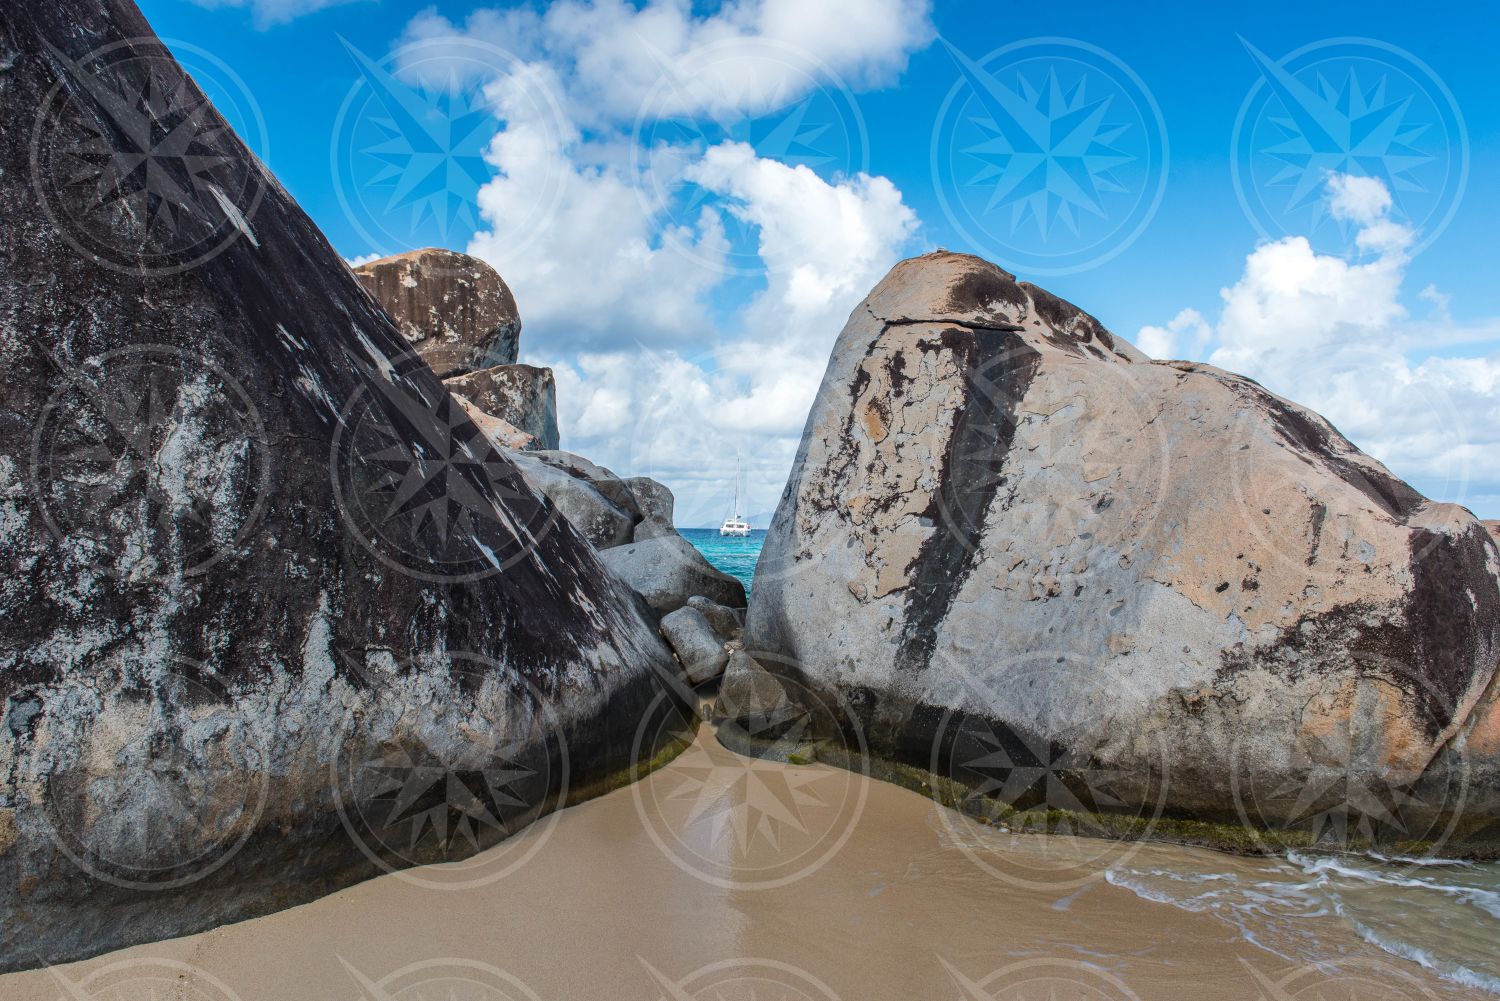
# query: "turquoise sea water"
[[735, 557]]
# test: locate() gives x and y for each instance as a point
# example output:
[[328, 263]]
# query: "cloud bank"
[[1420, 393], [626, 244]]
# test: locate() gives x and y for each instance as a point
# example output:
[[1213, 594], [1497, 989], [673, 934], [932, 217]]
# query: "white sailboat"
[[735, 526]]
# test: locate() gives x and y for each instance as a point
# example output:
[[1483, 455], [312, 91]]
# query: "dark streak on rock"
[[1449, 630], [1312, 438], [1059, 313], [998, 369], [1425, 651], [895, 371], [976, 291], [1319, 515]]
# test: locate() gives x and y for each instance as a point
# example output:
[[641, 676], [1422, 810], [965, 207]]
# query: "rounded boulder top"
[[454, 309]]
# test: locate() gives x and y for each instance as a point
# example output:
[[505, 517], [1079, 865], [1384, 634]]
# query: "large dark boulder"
[[275, 615], [1141, 597]]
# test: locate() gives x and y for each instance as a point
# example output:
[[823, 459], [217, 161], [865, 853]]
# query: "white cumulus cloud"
[[1422, 394], [742, 58], [686, 416], [686, 292]]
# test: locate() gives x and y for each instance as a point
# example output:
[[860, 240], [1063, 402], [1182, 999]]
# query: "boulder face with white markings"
[[1010, 537], [523, 396], [263, 576]]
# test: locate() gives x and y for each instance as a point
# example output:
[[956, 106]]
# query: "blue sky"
[[681, 343]]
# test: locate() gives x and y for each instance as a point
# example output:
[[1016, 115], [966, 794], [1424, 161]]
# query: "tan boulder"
[[454, 309], [1007, 528], [524, 396]]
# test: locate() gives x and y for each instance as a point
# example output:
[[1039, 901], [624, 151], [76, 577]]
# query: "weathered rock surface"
[[727, 622], [603, 522], [753, 699], [610, 511], [501, 433], [259, 575], [667, 571], [698, 647], [523, 396], [1003, 517], [630, 522], [452, 308], [656, 503]]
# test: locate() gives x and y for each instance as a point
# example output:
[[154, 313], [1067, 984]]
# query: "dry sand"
[[720, 877]]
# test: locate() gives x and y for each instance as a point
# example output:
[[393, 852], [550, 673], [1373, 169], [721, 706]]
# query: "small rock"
[[754, 700], [727, 622], [668, 571], [692, 637]]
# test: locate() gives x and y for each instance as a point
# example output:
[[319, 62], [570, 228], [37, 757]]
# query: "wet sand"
[[723, 877]]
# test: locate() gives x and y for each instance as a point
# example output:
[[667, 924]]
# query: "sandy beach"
[[724, 876]]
